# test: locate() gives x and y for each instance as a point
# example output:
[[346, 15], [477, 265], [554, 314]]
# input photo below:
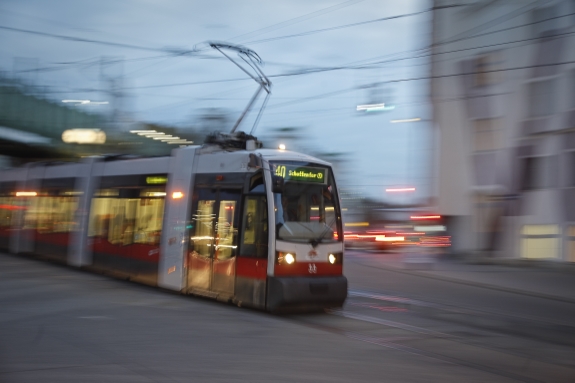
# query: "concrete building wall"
[[503, 94]]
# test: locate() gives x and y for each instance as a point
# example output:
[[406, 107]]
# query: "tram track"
[[548, 330], [496, 352]]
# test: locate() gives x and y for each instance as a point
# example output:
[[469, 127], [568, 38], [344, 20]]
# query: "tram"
[[227, 220]]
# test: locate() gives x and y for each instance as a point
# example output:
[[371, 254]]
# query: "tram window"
[[7, 207], [225, 231], [8, 204], [203, 221], [254, 241], [149, 216], [126, 216], [52, 212], [257, 183]]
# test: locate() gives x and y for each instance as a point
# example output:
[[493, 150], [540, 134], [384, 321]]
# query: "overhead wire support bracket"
[[254, 61]]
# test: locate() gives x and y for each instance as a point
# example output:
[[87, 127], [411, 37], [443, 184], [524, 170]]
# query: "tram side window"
[[52, 211], [8, 208], [254, 241], [126, 216], [257, 183]]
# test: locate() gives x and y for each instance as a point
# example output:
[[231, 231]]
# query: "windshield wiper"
[[314, 242]]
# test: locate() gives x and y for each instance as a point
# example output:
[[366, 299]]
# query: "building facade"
[[503, 95]]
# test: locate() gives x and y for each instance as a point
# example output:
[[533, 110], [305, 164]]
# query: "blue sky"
[[291, 37]]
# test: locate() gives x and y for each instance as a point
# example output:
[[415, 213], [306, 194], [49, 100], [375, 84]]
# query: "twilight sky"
[[140, 50]]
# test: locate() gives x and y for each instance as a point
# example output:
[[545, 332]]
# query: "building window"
[[542, 98], [539, 173], [485, 67], [545, 19], [540, 241], [486, 135]]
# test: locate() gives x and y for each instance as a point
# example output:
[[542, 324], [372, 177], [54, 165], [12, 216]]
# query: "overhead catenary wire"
[[338, 68], [323, 95], [196, 52], [365, 64], [298, 19]]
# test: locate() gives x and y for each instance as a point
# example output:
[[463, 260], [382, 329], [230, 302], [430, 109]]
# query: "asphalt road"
[[58, 324]]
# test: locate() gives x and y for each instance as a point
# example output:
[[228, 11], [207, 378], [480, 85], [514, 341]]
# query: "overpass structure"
[[32, 128]]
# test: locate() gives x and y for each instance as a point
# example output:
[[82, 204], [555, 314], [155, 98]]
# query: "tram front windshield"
[[307, 209]]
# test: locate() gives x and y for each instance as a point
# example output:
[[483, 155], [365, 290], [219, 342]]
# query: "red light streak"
[[12, 207], [407, 234]]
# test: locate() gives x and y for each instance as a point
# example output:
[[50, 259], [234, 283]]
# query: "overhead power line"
[[346, 67], [366, 63], [298, 19], [175, 52], [324, 95], [312, 32]]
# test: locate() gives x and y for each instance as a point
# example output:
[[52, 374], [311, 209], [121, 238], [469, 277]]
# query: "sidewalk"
[[539, 279]]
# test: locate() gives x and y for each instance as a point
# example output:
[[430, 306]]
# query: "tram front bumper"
[[306, 292]]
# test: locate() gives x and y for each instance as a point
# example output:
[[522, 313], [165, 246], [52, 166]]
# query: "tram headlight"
[[285, 258], [335, 258]]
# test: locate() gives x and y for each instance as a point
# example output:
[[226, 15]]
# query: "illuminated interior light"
[[142, 131], [155, 194], [177, 195], [289, 258], [406, 120], [26, 194], [356, 224], [84, 136], [399, 190], [168, 138], [180, 142], [282, 147], [201, 238], [425, 217], [332, 259], [151, 134]]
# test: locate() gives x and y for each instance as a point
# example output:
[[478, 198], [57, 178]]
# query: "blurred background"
[[450, 124]]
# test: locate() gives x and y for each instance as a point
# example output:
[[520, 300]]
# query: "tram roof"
[[276, 154], [267, 154]]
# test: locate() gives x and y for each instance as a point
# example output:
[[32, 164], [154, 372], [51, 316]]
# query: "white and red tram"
[[256, 227]]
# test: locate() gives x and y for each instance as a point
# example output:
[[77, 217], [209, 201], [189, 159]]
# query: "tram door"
[[213, 241]]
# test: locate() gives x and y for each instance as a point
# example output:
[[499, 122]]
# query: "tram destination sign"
[[301, 173]]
